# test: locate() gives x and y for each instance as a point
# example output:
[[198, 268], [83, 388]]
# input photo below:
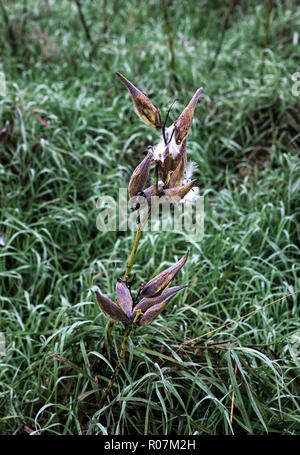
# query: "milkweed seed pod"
[[179, 191], [147, 308], [184, 122], [124, 297], [153, 312], [167, 149], [148, 193], [148, 302], [177, 175], [165, 168], [163, 279], [110, 309], [139, 176], [138, 201], [147, 112]]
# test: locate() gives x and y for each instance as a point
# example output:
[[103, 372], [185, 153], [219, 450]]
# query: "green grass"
[[245, 138]]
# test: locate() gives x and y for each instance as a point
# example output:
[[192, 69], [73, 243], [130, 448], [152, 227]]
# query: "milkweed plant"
[[173, 180]]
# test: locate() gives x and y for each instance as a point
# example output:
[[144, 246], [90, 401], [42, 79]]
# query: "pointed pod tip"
[[134, 91], [196, 97], [186, 257]]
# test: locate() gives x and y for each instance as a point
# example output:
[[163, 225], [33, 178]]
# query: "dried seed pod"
[[178, 174], [179, 191], [149, 192], [164, 168], [147, 112], [161, 281], [124, 297], [148, 302], [110, 309], [184, 122], [153, 312], [138, 202], [139, 176]]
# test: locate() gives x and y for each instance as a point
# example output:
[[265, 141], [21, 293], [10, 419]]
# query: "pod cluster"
[[155, 295], [169, 154]]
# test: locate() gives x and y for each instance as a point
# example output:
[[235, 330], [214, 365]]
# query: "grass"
[[245, 139]]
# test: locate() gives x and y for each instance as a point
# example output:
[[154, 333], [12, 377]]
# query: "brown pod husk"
[[179, 191], [178, 174], [146, 303], [147, 112], [161, 281], [124, 297], [149, 192], [153, 312], [110, 309], [184, 122], [164, 168], [139, 176]]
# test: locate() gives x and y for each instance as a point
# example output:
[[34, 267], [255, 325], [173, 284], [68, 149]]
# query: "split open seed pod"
[[179, 191], [139, 176], [147, 112], [148, 302], [178, 174], [184, 122], [124, 297], [110, 309], [163, 279]]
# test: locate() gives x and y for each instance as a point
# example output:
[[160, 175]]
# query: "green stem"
[[127, 273], [117, 369], [131, 257], [156, 181], [169, 35], [114, 376]]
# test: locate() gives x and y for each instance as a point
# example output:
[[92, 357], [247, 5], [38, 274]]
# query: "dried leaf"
[[139, 176], [184, 122], [124, 297], [147, 112], [161, 281], [146, 303], [110, 309]]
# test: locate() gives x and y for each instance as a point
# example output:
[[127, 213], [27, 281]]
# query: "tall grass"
[[245, 139]]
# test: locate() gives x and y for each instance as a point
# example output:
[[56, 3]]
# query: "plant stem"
[[116, 371], [266, 41], [131, 257], [83, 21], [127, 273], [156, 181], [232, 400], [136, 244], [127, 332], [11, 33], [104, 9], [224, 27], [170, 39]]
